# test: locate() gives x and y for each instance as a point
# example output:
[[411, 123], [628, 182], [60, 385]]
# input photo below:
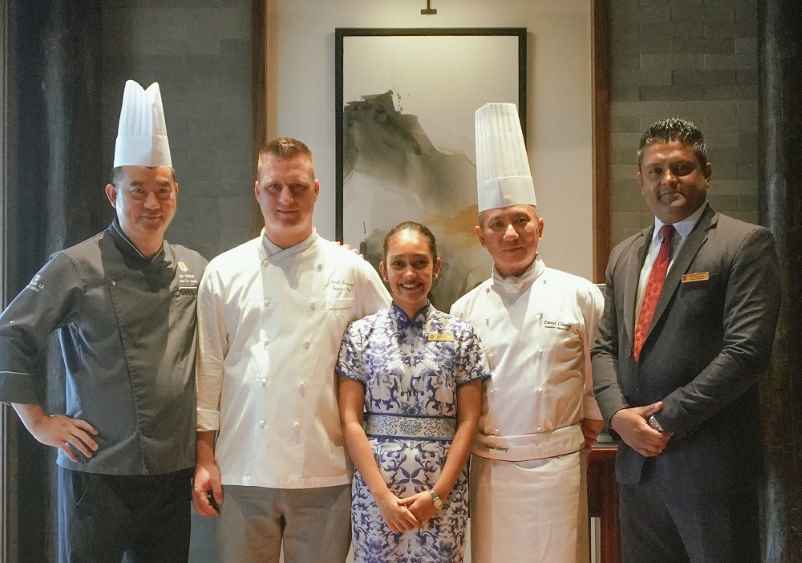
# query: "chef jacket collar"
[[516, 284], [403, 321], [271, 249], [129, 249]]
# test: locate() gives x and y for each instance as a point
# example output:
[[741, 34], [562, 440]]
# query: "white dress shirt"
[[681, 231], [537, 330], [270, 322]]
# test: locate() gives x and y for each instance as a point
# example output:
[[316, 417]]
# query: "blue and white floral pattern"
[[410, 368]]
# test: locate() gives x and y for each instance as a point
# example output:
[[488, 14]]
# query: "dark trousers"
[[105, 517], [666, 524]]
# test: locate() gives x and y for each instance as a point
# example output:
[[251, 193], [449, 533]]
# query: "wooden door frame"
[[601, 137]]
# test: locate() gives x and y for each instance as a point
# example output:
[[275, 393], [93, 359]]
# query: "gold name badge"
[[696, 277], [440, 337]]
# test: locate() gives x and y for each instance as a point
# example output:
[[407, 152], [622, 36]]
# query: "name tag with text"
[[444, 336], [556, 324], [696, 277]]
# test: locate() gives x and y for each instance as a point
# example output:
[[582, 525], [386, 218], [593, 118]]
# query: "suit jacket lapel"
[[634, 265], [687, 253]]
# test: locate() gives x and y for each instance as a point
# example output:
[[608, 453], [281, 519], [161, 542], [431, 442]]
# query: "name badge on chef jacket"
[[341, 288], [187, 281], [557, 325]]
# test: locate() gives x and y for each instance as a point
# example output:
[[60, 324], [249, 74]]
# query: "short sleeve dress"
[[411, 369]]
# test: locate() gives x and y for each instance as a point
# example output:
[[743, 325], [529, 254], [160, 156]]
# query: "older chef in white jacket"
[[271, 314], [528, 501]]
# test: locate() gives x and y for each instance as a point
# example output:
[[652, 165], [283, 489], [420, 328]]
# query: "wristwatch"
[[654, 423], [437, 501]]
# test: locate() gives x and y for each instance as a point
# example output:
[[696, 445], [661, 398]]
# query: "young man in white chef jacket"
[[271, 314], [528, 498]]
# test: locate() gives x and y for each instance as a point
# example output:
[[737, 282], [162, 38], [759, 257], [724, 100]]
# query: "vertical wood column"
[[780, 29]]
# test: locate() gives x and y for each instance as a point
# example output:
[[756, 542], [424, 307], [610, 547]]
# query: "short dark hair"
[[675, 129], [284, 147], [412, 226], [117, 175]]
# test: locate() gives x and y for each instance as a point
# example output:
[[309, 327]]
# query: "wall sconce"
[[428, 10]]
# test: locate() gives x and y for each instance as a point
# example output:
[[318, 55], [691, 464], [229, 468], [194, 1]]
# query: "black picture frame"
[[459, 52]]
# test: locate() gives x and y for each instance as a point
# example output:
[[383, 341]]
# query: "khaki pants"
[[529, 511], [314, 524]]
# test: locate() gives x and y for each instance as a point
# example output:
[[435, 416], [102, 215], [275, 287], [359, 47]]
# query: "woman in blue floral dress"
[[410, 398]]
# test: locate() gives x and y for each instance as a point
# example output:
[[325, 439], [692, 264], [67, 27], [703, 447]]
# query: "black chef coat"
[[126, 325]]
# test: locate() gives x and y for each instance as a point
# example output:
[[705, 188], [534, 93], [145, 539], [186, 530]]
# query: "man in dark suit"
[[690, 311]]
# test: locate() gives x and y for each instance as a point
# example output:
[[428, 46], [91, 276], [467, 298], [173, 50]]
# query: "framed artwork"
[[405, 104]]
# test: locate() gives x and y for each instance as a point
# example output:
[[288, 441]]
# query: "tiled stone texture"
[[201, 55], [695, 59]]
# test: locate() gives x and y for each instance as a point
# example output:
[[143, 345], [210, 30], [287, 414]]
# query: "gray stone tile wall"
[[695, 59], [201, 55]]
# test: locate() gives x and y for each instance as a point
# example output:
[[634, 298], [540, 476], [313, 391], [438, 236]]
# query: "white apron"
[[529, 511]]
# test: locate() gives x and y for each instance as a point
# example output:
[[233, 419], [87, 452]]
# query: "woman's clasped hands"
[[403, 514]]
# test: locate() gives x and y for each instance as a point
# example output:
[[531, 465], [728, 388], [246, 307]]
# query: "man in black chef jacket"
[[123, 304]]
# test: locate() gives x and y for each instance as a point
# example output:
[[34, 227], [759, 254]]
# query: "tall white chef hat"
[[502, 167], [142, 133]]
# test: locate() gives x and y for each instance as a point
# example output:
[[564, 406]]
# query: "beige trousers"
[[314, 524], [530, 511]]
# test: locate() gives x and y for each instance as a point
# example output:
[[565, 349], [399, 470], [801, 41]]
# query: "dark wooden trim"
[[259, 34], [258, 94], [603, 499], [10, 453], [5, 414], [601, 139], [341, 32], [402, 31], [523, 80]]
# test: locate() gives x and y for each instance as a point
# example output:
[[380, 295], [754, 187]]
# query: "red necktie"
[[653, 289]]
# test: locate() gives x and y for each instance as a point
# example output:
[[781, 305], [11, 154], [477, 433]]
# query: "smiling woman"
[[416, 374], [410, 265]]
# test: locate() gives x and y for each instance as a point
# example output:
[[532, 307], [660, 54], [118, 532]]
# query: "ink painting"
[[406, 139]]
